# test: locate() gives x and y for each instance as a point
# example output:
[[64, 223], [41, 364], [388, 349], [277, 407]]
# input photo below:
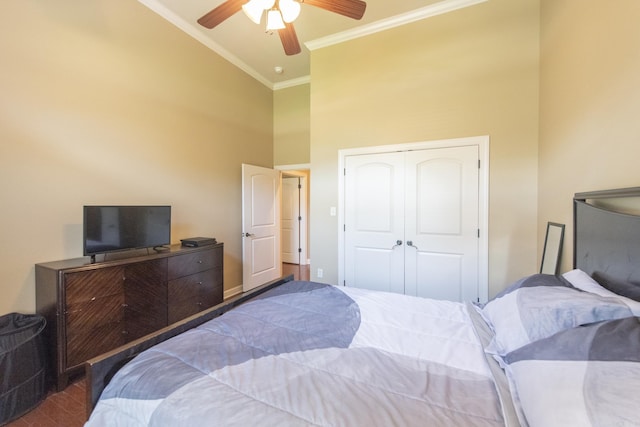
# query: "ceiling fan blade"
[[350, 8], [220, 13], [289, 40]]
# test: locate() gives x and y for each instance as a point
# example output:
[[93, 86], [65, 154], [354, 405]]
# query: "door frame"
[[301, 212], [482, 142], [302, 171]]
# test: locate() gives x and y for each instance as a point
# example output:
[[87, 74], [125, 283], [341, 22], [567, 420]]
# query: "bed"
[[547, 351]]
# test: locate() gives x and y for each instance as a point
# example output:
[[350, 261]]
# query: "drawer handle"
[[199, 261], [93, 299]]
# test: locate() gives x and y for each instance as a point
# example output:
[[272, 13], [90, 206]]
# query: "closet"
[[411, 222]]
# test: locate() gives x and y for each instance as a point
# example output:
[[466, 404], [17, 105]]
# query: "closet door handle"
[[410, 243], [398, 243]]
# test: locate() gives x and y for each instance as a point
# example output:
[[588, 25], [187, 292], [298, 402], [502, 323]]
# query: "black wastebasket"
[[22, 364]]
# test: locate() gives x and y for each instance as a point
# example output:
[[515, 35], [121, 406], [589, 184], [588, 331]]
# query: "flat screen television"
[[118, 228]]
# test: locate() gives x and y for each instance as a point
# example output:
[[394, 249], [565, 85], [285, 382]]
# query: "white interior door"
[[374, 222], [291, 247], [261, 257], [411, 222], [441, 223]]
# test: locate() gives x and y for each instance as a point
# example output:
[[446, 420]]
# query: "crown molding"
[[395, 21], [293, 82]]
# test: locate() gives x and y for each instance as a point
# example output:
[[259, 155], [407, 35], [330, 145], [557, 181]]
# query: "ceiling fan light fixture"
[[280, 15], [290, 10], [266, 4], [253, 9], [274, 20]]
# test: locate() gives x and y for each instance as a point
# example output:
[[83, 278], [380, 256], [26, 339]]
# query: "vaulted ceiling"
[[261, 55]]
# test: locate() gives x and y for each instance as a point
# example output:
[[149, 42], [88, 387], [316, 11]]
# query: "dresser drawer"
[[89, 314], [84, 345], [83, 286], [191, 294], [184, 265], [85, 322], [191, 286]]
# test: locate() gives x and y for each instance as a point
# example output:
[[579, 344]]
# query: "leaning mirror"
[[552, 248]]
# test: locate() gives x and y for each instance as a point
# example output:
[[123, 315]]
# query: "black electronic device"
[[196, 242], [117, 228]]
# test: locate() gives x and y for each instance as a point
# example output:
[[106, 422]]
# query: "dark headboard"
[[606, 241]]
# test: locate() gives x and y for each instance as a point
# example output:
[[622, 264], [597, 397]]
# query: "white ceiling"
[[249, 47]]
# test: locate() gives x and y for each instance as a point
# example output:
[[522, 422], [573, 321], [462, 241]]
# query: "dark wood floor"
[[300, 272], [68, 409]]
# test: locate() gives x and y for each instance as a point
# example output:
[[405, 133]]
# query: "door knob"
[[398, 243], [410, 243], [248, 235]]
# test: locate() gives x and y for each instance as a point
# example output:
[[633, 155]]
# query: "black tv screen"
[[118, 228]]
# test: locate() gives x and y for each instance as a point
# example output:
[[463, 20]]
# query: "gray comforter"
[[313, 354]]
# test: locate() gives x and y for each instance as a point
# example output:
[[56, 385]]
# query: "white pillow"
[[583, 281]]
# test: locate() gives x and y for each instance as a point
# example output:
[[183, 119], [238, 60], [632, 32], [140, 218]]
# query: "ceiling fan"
[[280, 15]]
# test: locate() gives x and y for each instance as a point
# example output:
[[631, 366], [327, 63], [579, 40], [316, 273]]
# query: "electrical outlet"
[[319, 273]]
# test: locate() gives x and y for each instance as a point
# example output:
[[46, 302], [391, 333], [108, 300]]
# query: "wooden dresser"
[[92, 308]]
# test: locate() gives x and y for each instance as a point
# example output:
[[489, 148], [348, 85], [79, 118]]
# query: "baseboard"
[[229, 293]]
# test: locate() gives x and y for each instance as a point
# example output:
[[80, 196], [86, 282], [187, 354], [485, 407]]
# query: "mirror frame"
[[552, 252]]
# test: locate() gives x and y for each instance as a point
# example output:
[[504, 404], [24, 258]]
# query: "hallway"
[[300, 272]]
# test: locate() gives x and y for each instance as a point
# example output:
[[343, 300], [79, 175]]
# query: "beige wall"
[[105, 102], [589, 103], [291, 132], [467, 73]]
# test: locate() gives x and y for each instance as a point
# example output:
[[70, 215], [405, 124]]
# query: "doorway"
[[295, 216], [299, 272]]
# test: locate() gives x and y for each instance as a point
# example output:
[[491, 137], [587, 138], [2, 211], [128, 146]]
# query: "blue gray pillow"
[[541, 305], [587, 376]]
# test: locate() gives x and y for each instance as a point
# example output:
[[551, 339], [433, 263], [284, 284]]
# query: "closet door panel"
[[438, 205], [437, 275], [374, 217], [441, 222], [374, 269]]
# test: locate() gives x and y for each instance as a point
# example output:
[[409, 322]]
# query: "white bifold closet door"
[[412, 221]]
